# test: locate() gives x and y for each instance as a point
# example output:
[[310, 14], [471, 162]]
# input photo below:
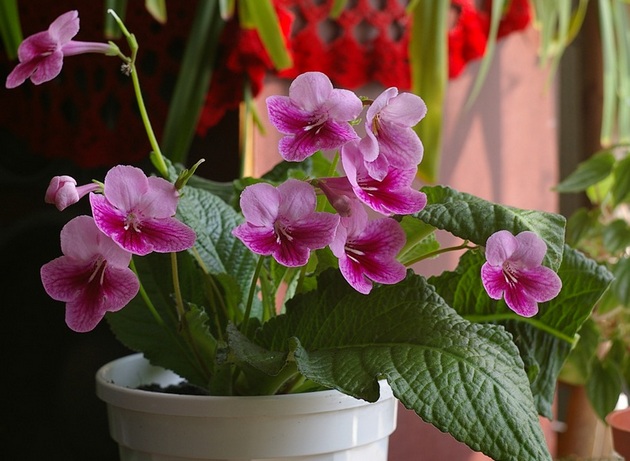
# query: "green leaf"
[[597, 168], [544, 340], [193, 81], [474, 219], [621, 181], [577, 367], [621, 285], [10, 27], [157, 10], [580, 226], [616, 237], [603, 387], [222, 254], [463, 378], [429, 75], [261, 15], [185, 346], [420, 240]]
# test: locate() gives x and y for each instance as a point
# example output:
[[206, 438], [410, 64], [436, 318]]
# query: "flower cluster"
[[132, 215], [379, 172]]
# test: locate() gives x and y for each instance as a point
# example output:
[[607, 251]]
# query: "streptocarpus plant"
[[289, 285]]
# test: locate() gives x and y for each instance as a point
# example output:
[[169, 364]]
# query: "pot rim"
[[111, 389]]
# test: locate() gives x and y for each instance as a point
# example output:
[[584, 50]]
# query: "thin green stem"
[[156, 157], [433, 254], [532, 321], [179, 301], [250, 296]]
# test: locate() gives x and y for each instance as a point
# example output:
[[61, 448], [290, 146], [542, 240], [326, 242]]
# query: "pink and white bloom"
[[367, 250], [313, 117], [137, 212], [514, 271], [282, 222], [392, 194], [41, 55], [390, 139], [63, 191], [92, 277]]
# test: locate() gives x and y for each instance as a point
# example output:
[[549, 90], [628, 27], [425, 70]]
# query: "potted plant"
[[602, 231], [285, 285]]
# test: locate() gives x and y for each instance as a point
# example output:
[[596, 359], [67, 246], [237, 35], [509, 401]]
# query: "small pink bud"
[[63, 191]]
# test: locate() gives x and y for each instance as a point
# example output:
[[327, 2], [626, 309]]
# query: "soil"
[[183, 388]]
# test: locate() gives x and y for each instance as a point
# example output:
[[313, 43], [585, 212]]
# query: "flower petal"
[[64, 27], [297, 199], [117, 288], [310, 90], [517, 300], [531, 249], [499, 247], [493, 280], [124, 185], [406, 109], [260, 204]]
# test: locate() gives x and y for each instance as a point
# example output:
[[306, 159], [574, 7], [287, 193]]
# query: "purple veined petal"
[[63, 278], [285, 116], [64, 27], [405, 109], [385, 237], [343, 105], [310, 90], [517, 300], [493, 280], [401, 145], [540, 283], [118, 287], [326, 136], [37, 45], [124, 185], [290, 254], [353, 274], [531, 249], [164, 235], [260, 240], [47, 68], [499, 247], [297, 199], [314, 231], [260, 204]]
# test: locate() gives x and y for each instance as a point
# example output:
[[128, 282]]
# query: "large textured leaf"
[[474, 219], [184, 346], [544, 340], [464, 378], [223, 254]]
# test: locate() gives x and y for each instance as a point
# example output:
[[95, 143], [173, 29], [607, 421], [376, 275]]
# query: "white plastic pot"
[[318, 426]]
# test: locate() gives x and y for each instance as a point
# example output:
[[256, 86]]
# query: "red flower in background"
[[467, 36], [242, 58]]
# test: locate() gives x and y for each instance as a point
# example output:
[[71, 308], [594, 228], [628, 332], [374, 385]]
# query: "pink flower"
[[137, 212], [313, 117], [514, 270], [63, 191], [392, 194], [367, 250], [390, 139], [282, 222], [41, 55], [92, 277]]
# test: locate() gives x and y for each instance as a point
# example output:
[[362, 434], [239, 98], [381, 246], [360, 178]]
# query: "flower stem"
[[509, 316], [250, 297], [432, 254], [156, 155]]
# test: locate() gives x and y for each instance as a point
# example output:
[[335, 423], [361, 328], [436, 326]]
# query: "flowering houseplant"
[[287, 284]]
